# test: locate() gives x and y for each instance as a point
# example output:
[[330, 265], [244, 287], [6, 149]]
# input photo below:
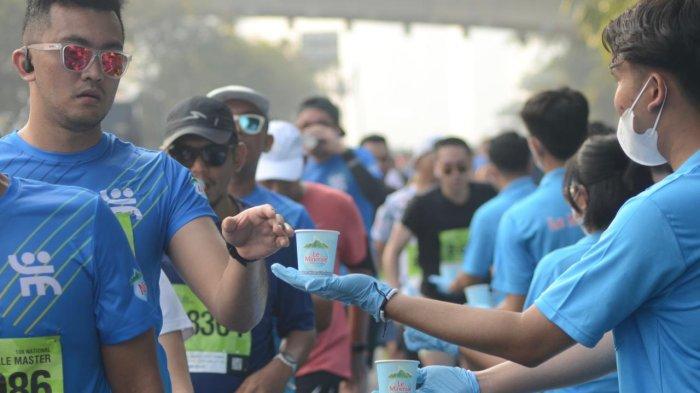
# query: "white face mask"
[[641, 148]]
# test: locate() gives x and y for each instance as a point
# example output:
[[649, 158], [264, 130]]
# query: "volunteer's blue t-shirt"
[[288, 309], [69, 284], [642, 280], [149, 191], [538, 224], [335, 173], [548, 270], [478, 256]]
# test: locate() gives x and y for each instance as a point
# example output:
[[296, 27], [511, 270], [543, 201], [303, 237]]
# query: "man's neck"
[[549, 164], [241, 186], [505, 180], [458, 197], [51, 137], [225, 207], [683, 142], [4, 184]]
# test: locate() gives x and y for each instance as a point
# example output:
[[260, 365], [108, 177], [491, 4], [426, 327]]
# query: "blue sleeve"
[[369, 162], [185, 201], [478, 255], [305, 221], [513, 264], [545, 274], [634, 261], [122, 311]]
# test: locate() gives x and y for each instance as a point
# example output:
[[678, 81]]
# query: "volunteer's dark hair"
[[661, 34], [323, 104], [452, 141], [509, 153], [374, 138], [37, 11], [599, 128], [609, 177], [558, 119]]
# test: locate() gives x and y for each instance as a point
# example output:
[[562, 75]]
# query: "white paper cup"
[[397, 376], [316, 251]]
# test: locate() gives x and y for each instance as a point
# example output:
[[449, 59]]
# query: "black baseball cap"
[[202, 116]]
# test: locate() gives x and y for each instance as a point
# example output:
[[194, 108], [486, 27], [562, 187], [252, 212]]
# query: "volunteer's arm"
[[131, 366], [573, 366], [527, 338]]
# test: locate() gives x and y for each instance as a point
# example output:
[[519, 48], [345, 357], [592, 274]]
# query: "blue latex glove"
[[417, 340], [357, 289], [442, 283], [443, 379]]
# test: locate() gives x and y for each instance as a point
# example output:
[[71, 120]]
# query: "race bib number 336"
[[31, 365]]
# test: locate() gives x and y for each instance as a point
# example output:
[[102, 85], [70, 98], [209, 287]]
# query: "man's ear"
[[23, 64], [658, 90], [239, 156]]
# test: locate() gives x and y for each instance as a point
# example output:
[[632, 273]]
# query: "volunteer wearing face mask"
[[641, 279]]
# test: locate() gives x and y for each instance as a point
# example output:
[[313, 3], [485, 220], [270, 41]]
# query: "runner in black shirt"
[[440, 220]]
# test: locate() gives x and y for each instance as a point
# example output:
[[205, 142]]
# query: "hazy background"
[[406, 80]]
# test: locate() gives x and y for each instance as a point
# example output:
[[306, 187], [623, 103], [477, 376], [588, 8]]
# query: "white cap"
[[285, 160], [241, 93]]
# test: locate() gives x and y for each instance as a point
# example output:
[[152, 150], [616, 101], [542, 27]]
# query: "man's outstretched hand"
[[357, 289], [257, 232]]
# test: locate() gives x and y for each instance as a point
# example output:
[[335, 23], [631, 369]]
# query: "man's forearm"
[[526, 338], [241, 295], [390, 265], [298, 344], [573, 366]]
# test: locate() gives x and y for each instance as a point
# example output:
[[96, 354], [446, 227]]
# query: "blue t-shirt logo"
[[122, 201], [32, 274]]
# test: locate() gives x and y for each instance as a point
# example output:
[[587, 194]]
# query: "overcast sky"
[[431, 80]]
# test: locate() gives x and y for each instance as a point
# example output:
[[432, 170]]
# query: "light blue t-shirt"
[[69, 284], [152, 195], [538, 224], [478, 256], [548, 270], [335, 173], [642, 280]]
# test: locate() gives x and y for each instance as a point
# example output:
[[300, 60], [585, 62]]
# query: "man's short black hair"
[[323, 104], [509, 153], [661, 34], [37, 11], [558, 119], [374, 138], [453, 141]]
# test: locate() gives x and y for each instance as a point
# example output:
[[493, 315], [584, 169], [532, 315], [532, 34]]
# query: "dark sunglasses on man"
[[212, 155], [78, 58]]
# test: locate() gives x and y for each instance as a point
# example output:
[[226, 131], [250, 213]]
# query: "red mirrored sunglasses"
[[78, 58]]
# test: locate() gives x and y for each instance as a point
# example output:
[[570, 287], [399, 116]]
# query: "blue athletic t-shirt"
[[287, 309], [548, 270], [642, 280], [478, 256], [538, 224], [69, 284], [152, 195], [335, 173]]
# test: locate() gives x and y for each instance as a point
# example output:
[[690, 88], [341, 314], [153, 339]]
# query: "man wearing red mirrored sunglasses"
[[72, 58]]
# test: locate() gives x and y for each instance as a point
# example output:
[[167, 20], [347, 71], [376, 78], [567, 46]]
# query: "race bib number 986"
[[31, 365]]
